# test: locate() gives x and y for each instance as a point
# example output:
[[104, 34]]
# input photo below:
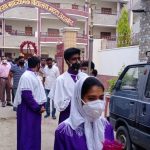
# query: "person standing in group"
[[30, 101], [51, 72], [16, 72], [85, 129], [4, 83], [65, 83], [85, 67], [41, 70]]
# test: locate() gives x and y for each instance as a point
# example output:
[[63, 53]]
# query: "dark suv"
[[130, 107]]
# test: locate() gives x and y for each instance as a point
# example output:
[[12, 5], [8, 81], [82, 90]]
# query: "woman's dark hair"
[[86, 64], [70, 52], [33, 62], [94, 72], [88, 84]]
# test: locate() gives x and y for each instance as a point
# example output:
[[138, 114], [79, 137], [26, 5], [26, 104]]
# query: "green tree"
[[123, 29]]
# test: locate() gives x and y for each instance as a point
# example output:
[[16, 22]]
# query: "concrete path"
[[8, 130]]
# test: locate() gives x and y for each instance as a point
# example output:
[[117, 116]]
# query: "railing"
[[99, 11], [50, 37], [69, 6], [19, 33]]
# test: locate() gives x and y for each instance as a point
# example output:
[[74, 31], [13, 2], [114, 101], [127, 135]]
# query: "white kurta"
[[64, 90]]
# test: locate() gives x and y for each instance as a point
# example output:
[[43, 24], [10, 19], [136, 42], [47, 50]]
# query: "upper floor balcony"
[[14, 38], [104, 19], [71, 9], [46, 37]]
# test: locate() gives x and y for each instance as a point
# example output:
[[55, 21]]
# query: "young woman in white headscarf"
[[85, 129]]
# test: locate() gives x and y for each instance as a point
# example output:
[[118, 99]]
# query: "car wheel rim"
[[123, 140]]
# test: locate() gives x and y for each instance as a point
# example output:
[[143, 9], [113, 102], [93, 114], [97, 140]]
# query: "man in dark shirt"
[[16, 72]]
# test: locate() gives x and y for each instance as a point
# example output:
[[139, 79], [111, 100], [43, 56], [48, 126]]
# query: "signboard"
[[6, 5]]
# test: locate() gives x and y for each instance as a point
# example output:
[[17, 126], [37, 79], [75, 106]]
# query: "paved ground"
[[8, 130]]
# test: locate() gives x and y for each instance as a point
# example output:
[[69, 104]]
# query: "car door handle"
[[131, 103], [144, 109]]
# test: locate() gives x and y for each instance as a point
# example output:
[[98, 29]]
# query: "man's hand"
[[42, 109]]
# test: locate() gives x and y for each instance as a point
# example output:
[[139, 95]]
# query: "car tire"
[[123, 136]]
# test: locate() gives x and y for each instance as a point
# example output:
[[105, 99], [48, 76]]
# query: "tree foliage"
[[123, 29]]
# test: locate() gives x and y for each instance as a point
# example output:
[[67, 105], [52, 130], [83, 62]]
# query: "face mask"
[[75, 66], [21, 63], [94, 109], [4, 61], [49, 66]]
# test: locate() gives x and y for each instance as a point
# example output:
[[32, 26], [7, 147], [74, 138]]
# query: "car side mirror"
[[118, 84]]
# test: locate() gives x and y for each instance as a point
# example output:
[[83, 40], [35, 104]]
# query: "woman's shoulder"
[[64, 129]]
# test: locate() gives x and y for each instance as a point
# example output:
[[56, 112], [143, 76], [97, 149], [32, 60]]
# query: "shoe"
[[54, 117], [9, 104], [3, 104], [46, 116]]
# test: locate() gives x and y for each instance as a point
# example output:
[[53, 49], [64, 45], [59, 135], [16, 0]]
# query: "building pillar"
[[69, 39], [145, 30]]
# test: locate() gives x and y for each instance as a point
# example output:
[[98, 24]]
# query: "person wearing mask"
[[30, 101], [65, 83], [41, 71], [16, 72], [85, 128], [51, 72], [4, 83], [85, 67]]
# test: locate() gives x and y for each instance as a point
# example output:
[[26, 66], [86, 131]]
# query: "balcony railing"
[[51, 37], [19, 33], [69, 6], [70, 9]]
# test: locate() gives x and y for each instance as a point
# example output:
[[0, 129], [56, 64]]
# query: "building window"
[[53, 32], [106, 35], [57, 5], [28, 31], [106, 10], [9, 55], [8, 28], [74, 6]]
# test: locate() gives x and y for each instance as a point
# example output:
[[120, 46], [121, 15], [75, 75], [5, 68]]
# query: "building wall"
[[109, 62], [24, 13], [145, 30], [20, 25], [50, 51]]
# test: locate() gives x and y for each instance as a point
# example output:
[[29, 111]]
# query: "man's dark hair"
[[49, 59], [20, 57], [70, 52], [88, 84], [86, 64], [33, 62], [43, 58]]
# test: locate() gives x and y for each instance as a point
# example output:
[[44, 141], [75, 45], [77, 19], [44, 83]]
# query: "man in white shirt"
[[65, 83], [51, 72]]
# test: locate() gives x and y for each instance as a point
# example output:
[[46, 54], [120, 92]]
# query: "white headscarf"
[[94, 132]]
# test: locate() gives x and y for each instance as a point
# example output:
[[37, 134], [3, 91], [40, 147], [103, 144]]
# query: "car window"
[[147, 90], [131, 78]]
